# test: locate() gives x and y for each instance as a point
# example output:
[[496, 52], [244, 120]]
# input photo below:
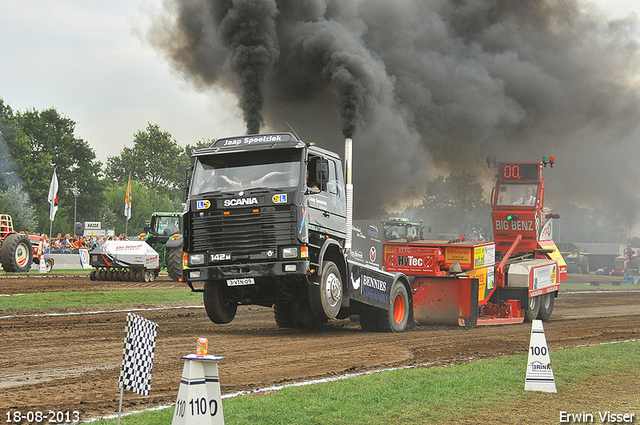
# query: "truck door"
[[325, 196]]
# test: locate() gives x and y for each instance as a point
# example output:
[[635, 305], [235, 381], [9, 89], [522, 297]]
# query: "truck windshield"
[[274, 169], [523, 195]]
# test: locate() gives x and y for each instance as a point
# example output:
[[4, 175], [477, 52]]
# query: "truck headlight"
[[290, 252], [197, 259]]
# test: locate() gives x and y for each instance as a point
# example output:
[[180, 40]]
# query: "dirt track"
[[71, 362]]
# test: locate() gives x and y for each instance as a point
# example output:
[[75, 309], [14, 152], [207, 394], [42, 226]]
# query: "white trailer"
[[124, 260]]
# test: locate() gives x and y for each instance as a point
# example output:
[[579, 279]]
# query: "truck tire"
[[220, 308], [369, 320], [546, 306], [174, 263], [283, 313], [16, 253], [304, 317], [533, 308], [326, 297], [396, 318]]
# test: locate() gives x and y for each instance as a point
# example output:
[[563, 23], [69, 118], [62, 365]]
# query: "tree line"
[[34, 143]]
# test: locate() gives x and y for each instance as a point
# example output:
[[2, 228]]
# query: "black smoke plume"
[[429, 87]]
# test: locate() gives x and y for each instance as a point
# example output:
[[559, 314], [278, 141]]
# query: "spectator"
[[67, 244], [79, 243], [56, 245]]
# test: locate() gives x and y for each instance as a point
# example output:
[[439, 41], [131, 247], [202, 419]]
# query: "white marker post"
[[42, 266], [539, 374], [199, 399]]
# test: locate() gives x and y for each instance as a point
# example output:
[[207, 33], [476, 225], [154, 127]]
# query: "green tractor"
[[402, 228], [164, 234]]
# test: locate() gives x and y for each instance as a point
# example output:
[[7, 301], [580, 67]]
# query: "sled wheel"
[[92, 275], [220, 306], [533, 308], [546, 306]]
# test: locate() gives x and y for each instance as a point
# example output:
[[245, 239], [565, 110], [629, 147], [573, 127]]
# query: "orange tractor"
[[17, 250]]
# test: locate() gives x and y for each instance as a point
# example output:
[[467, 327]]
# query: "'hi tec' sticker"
[[203, 205], [279, 199]]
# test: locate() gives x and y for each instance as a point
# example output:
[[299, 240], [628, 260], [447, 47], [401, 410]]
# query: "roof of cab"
[[259, 142]]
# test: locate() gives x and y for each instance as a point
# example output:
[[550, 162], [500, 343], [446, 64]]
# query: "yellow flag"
[[127, 200]]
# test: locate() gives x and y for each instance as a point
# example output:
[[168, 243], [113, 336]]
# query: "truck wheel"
[[369, 320], [174, 263], [546, 306], [326, 297], [304, 317], [16, 254], [396, 318], [283, 313], [220, 308], [533, 308]]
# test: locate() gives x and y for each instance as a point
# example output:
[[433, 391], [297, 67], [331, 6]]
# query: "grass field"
[[74, 300], [590, 381]]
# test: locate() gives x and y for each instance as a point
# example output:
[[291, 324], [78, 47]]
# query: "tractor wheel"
[[16, 254], [283, 313], [326, 297], [396, 318], [533, 308], [174, 263], [546, 306], [220, 307]]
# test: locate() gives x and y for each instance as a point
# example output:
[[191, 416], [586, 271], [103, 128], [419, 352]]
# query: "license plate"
[[241, 282]]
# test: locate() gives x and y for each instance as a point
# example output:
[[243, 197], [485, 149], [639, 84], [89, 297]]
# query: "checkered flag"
[[137, 357]]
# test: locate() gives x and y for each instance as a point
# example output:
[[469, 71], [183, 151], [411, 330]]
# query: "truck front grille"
[[243, 230]]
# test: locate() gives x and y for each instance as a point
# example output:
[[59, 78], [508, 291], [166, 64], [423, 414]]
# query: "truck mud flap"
[[445, 301]]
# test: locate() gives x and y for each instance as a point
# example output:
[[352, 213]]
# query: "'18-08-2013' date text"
[[42, 417]]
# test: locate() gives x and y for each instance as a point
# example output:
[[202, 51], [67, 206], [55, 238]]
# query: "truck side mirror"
[[187, 182]]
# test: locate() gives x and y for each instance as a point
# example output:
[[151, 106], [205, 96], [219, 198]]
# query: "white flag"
[[53, 196], [127, 200]]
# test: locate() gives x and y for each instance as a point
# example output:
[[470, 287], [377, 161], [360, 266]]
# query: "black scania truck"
[[266, 222]]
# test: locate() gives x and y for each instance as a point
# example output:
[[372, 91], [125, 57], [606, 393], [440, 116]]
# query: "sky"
[[90, 60]]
